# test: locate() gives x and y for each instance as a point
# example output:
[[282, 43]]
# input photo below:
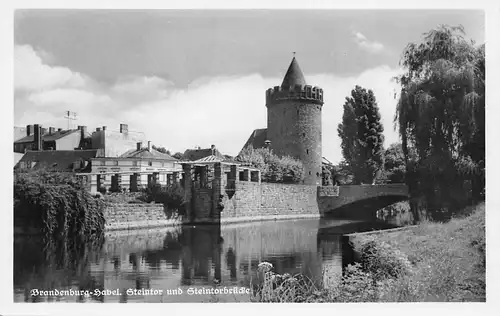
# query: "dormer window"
[[150, 163], [115, 162]]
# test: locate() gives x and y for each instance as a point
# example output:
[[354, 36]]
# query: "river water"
[[182, 264]]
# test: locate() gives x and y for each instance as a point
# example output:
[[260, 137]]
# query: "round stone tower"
[[294, 121]]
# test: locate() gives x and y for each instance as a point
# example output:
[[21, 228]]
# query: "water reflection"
[[173, 259]]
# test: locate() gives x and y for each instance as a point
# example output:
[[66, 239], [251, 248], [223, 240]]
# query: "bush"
[[283, 288], [102, 190], [58, 204], [356, 285], [272, 167], [382, 261], [171, 196]]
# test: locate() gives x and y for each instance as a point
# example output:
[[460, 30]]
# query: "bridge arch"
[[363, 198]]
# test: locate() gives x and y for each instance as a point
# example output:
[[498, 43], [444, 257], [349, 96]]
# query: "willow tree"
[[440, 112]]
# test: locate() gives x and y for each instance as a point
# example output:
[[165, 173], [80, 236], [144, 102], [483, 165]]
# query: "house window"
[[115, 162], [134, 163], [150, 163], [103, 162]]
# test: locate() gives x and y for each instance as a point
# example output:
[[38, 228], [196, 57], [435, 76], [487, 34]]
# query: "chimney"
[[213, 150], [98, 129], [52, 130], [37, 137], [104, 128], [149, 146], [124, 128], [139, 146], [29, 130], [83, 131]]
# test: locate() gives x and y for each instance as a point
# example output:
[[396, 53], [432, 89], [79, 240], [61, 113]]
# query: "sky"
[[190, 78]]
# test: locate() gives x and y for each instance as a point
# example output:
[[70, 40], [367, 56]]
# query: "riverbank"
[[430, 262], [448, 259]]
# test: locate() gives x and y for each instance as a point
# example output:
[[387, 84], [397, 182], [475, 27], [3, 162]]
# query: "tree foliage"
[[361, 133], [177, 155], [161, 149], [58, 204], [171, 196], [395, 163], [272, 167], [440, 113]]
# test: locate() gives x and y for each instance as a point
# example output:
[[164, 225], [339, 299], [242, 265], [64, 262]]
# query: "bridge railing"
[[328, 191]]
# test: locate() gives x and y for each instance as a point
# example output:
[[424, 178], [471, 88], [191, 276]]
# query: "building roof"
[[17, 157], [209, 159], [46, 137], [294, 75], [144, 153], [326, 161], [257, 139], [61, 160], [196, 154]]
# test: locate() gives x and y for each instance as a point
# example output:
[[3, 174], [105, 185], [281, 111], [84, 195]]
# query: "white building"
[[135, 169]]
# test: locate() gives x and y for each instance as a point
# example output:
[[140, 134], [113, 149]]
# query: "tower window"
[[304, 134], [297, 112], [309, 172], [307, 152]]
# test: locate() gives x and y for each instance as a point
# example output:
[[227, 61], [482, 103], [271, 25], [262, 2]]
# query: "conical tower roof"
[[293, 75]]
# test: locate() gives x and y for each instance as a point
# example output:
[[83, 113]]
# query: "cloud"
[[336, 89], [32, 74], [365, 44], [221, 111]]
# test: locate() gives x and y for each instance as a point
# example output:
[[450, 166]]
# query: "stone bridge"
[[335, 201]]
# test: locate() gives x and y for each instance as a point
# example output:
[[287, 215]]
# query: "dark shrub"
[[58, 204], [171, 196], [382, 261]]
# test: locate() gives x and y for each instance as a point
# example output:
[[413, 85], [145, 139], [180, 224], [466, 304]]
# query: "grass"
[[448, 259], [433, 262]]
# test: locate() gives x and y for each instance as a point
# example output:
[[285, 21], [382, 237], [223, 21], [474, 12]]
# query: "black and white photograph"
[[248, 155]]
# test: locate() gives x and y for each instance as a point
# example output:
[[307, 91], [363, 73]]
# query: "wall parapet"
[[311, 94], [328, 191]]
